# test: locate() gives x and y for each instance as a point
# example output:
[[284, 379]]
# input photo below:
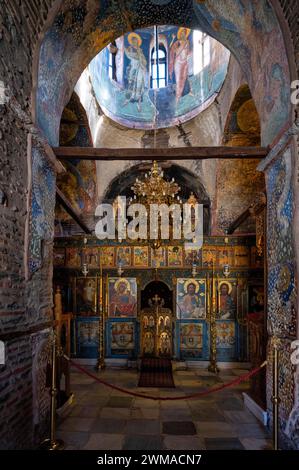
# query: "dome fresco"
[[136, 90]]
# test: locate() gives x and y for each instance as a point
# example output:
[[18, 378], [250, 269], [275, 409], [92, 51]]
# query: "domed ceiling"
[[138, 91]]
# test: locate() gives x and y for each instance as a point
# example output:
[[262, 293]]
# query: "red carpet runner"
[[156, 373]]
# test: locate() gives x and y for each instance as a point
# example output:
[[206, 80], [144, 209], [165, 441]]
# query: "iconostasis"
[[116, 297]]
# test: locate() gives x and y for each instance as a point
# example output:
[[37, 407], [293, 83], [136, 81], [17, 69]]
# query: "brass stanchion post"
[[101, 360], [213, 329], [275, 397], [52, 443]]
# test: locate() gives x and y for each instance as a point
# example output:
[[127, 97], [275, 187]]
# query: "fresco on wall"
[[248, 28], [78, 183], [42, 209], [191, 299], [132, 100], [122, 297]]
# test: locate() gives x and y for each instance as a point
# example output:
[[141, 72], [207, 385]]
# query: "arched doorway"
[[156, 320]]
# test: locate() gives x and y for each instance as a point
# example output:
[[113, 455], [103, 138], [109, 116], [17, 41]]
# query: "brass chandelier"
[[154, 189]]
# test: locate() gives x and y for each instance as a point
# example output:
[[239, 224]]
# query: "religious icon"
[[164, 344], [73, 258], [123, 256], [148, 344], [136, 71], [122, 297], [90, 257], [86, 296], [141, 256], [159, 257], [192, 257], [108, 256], [209, 256], [180, 53], [191, 299], [227, 293], [175, 256]]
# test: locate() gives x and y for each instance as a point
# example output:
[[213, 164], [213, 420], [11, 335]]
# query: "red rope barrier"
[[237, 381]]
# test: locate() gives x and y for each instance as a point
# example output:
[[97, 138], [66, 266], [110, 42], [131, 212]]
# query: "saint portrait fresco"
[[122, 295], [86, 296], [180, 54], [136, 71], [227, 300], [191, 299]]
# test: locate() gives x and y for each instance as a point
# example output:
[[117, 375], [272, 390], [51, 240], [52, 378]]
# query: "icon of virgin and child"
[[192, 302], [122, 298]]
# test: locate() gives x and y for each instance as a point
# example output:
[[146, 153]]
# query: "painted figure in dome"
[[136, 72], [180, 53]]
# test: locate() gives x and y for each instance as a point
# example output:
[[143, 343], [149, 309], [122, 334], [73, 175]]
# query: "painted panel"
[[140, 256], [87, 337], [85, 296], [121, 338], [175, 256], [122, 297], [191, 298]]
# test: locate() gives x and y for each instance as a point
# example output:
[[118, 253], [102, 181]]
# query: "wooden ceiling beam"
[[173, 153], [62, 199]]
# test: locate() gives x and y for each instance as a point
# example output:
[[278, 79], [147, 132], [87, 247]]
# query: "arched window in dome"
[[201, 51], [112, 61], [158, 67]]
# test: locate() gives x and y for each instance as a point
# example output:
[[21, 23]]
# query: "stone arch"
[[187, 180]]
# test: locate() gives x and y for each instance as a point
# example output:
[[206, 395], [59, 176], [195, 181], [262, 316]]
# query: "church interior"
[[153, 342]]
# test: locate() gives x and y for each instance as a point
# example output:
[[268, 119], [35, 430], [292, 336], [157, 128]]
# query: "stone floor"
[[103, 419]]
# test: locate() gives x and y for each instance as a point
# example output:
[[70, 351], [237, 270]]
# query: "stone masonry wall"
[[25, 306]]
